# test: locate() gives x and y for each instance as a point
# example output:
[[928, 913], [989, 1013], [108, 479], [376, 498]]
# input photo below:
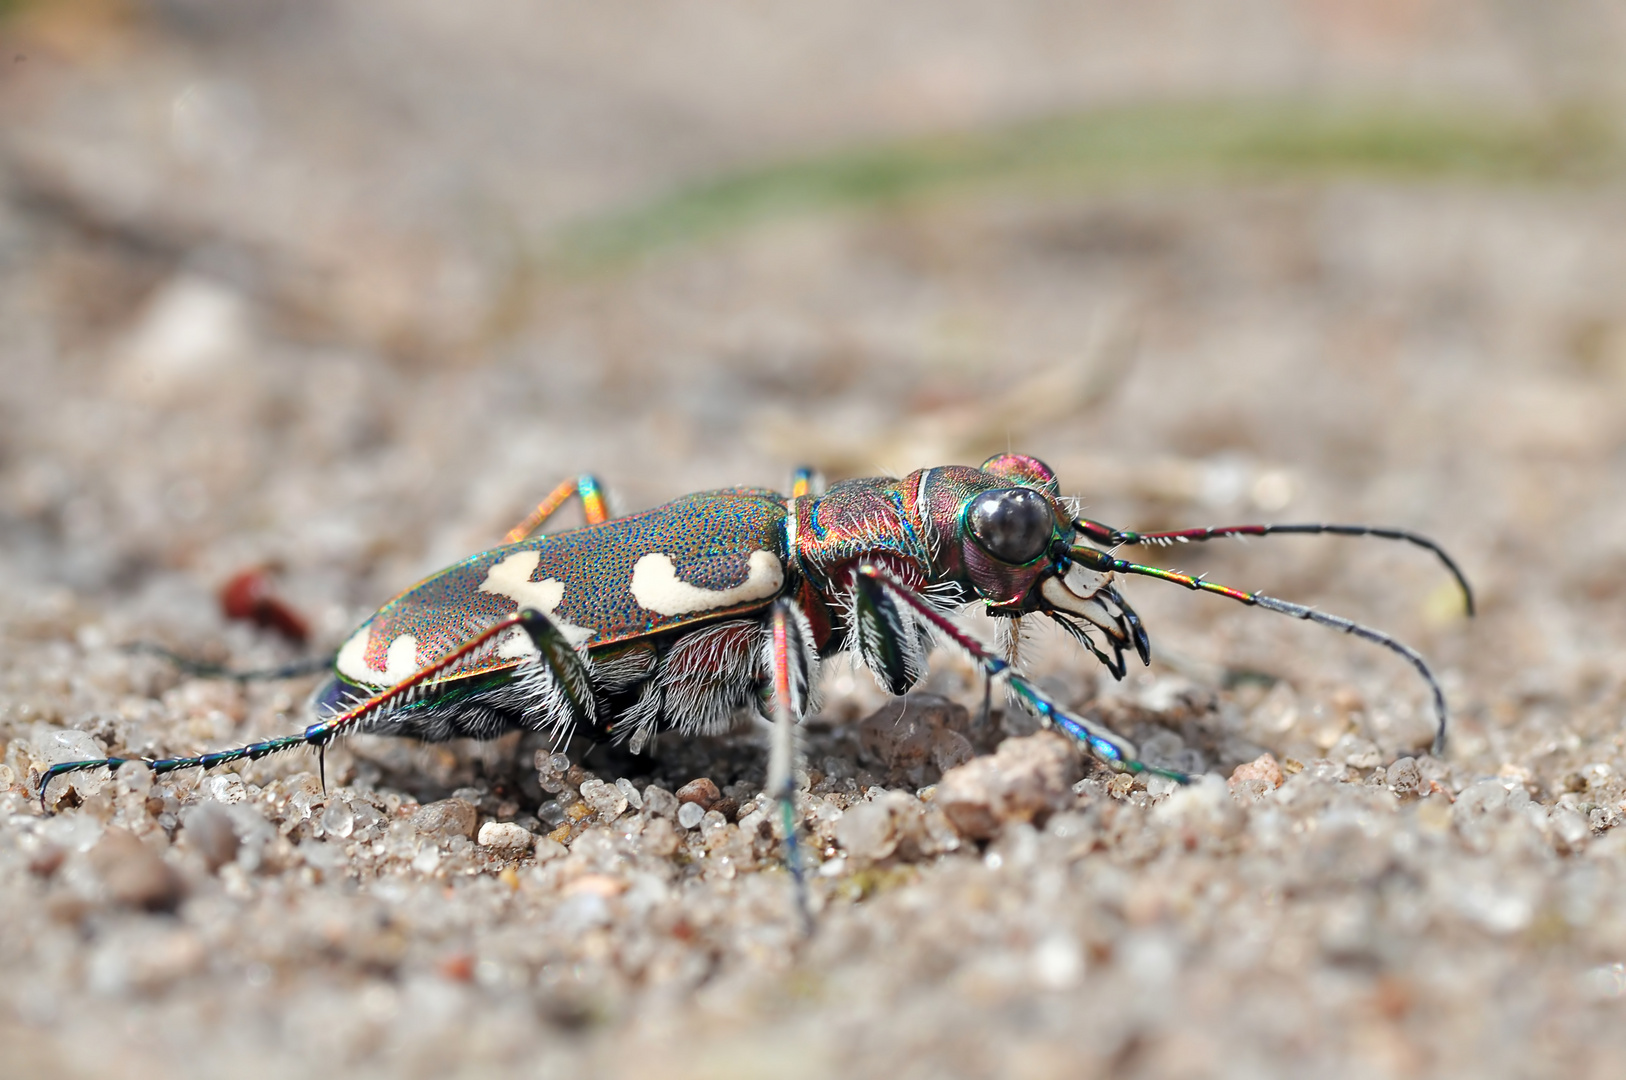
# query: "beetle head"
[[1015, 535], [1008, 520]]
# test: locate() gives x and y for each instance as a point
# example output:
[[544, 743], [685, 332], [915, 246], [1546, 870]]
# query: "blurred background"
[[344, 288]]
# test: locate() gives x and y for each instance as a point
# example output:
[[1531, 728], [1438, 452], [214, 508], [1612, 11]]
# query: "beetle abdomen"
[[697, 559]]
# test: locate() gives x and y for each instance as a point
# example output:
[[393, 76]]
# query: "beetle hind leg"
[[586, 486], [375, 713]]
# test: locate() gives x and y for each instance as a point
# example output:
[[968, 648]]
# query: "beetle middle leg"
[[792, 660], [805, 480]]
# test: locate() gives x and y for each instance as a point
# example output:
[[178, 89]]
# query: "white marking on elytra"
[[400, 661], [512, 578], [655, 585]]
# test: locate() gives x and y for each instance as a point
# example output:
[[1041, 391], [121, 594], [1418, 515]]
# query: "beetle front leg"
[[886, 635], [593, 506], [1112, 751]]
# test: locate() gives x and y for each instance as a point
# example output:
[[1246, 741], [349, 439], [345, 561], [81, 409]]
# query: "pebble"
[[225, 787], [659, 837], [608, 801], [338, 820], [135, 875], [446, 818], [873, 831], [1351, 749], [689, 815], [1570, 828], [207, 829], [1206, 808], [659, 802], [1262, 768], [548, 849], [1026, 779], [1405, 778], [46, 861], [910, 733], [506, 836], [702, 792]]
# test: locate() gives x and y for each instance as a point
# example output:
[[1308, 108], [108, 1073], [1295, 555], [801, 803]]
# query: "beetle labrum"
[[675, 618]]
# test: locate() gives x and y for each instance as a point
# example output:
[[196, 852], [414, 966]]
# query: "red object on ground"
[[248, 595]]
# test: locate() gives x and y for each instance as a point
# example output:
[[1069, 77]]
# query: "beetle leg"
[[1114, 752], [551, 644], [203, 669], [805, 480], [792, 665], [559, 678], [887, 635], [593, 506]]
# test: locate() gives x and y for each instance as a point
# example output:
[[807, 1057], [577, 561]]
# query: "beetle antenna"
[[1107, 536], [1103, 563]]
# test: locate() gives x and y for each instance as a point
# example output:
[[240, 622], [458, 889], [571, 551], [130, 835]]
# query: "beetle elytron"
[[676, 617]]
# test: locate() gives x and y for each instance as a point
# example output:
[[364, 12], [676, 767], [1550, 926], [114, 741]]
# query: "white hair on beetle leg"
[[709, 675], [804, 658], [697, 686], [639, 724]]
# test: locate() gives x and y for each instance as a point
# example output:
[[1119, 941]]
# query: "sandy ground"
[[293, 285]]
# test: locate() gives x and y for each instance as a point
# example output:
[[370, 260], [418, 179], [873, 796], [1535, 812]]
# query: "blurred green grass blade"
[[1171, 143]]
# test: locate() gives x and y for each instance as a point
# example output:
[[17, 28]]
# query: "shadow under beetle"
[[675, 618]]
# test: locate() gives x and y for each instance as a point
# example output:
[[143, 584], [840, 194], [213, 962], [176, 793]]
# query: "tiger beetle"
[[675, 618]]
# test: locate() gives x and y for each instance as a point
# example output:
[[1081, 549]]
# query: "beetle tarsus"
[[205, 669], [1111, 750]]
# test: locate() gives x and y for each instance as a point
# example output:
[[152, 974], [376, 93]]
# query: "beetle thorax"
[[917, 525], [859, 520]]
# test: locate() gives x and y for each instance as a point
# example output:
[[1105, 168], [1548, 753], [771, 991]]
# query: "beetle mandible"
[[675, 618]]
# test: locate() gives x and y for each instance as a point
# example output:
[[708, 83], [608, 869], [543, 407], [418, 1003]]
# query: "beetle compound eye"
[[1014, 525]]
